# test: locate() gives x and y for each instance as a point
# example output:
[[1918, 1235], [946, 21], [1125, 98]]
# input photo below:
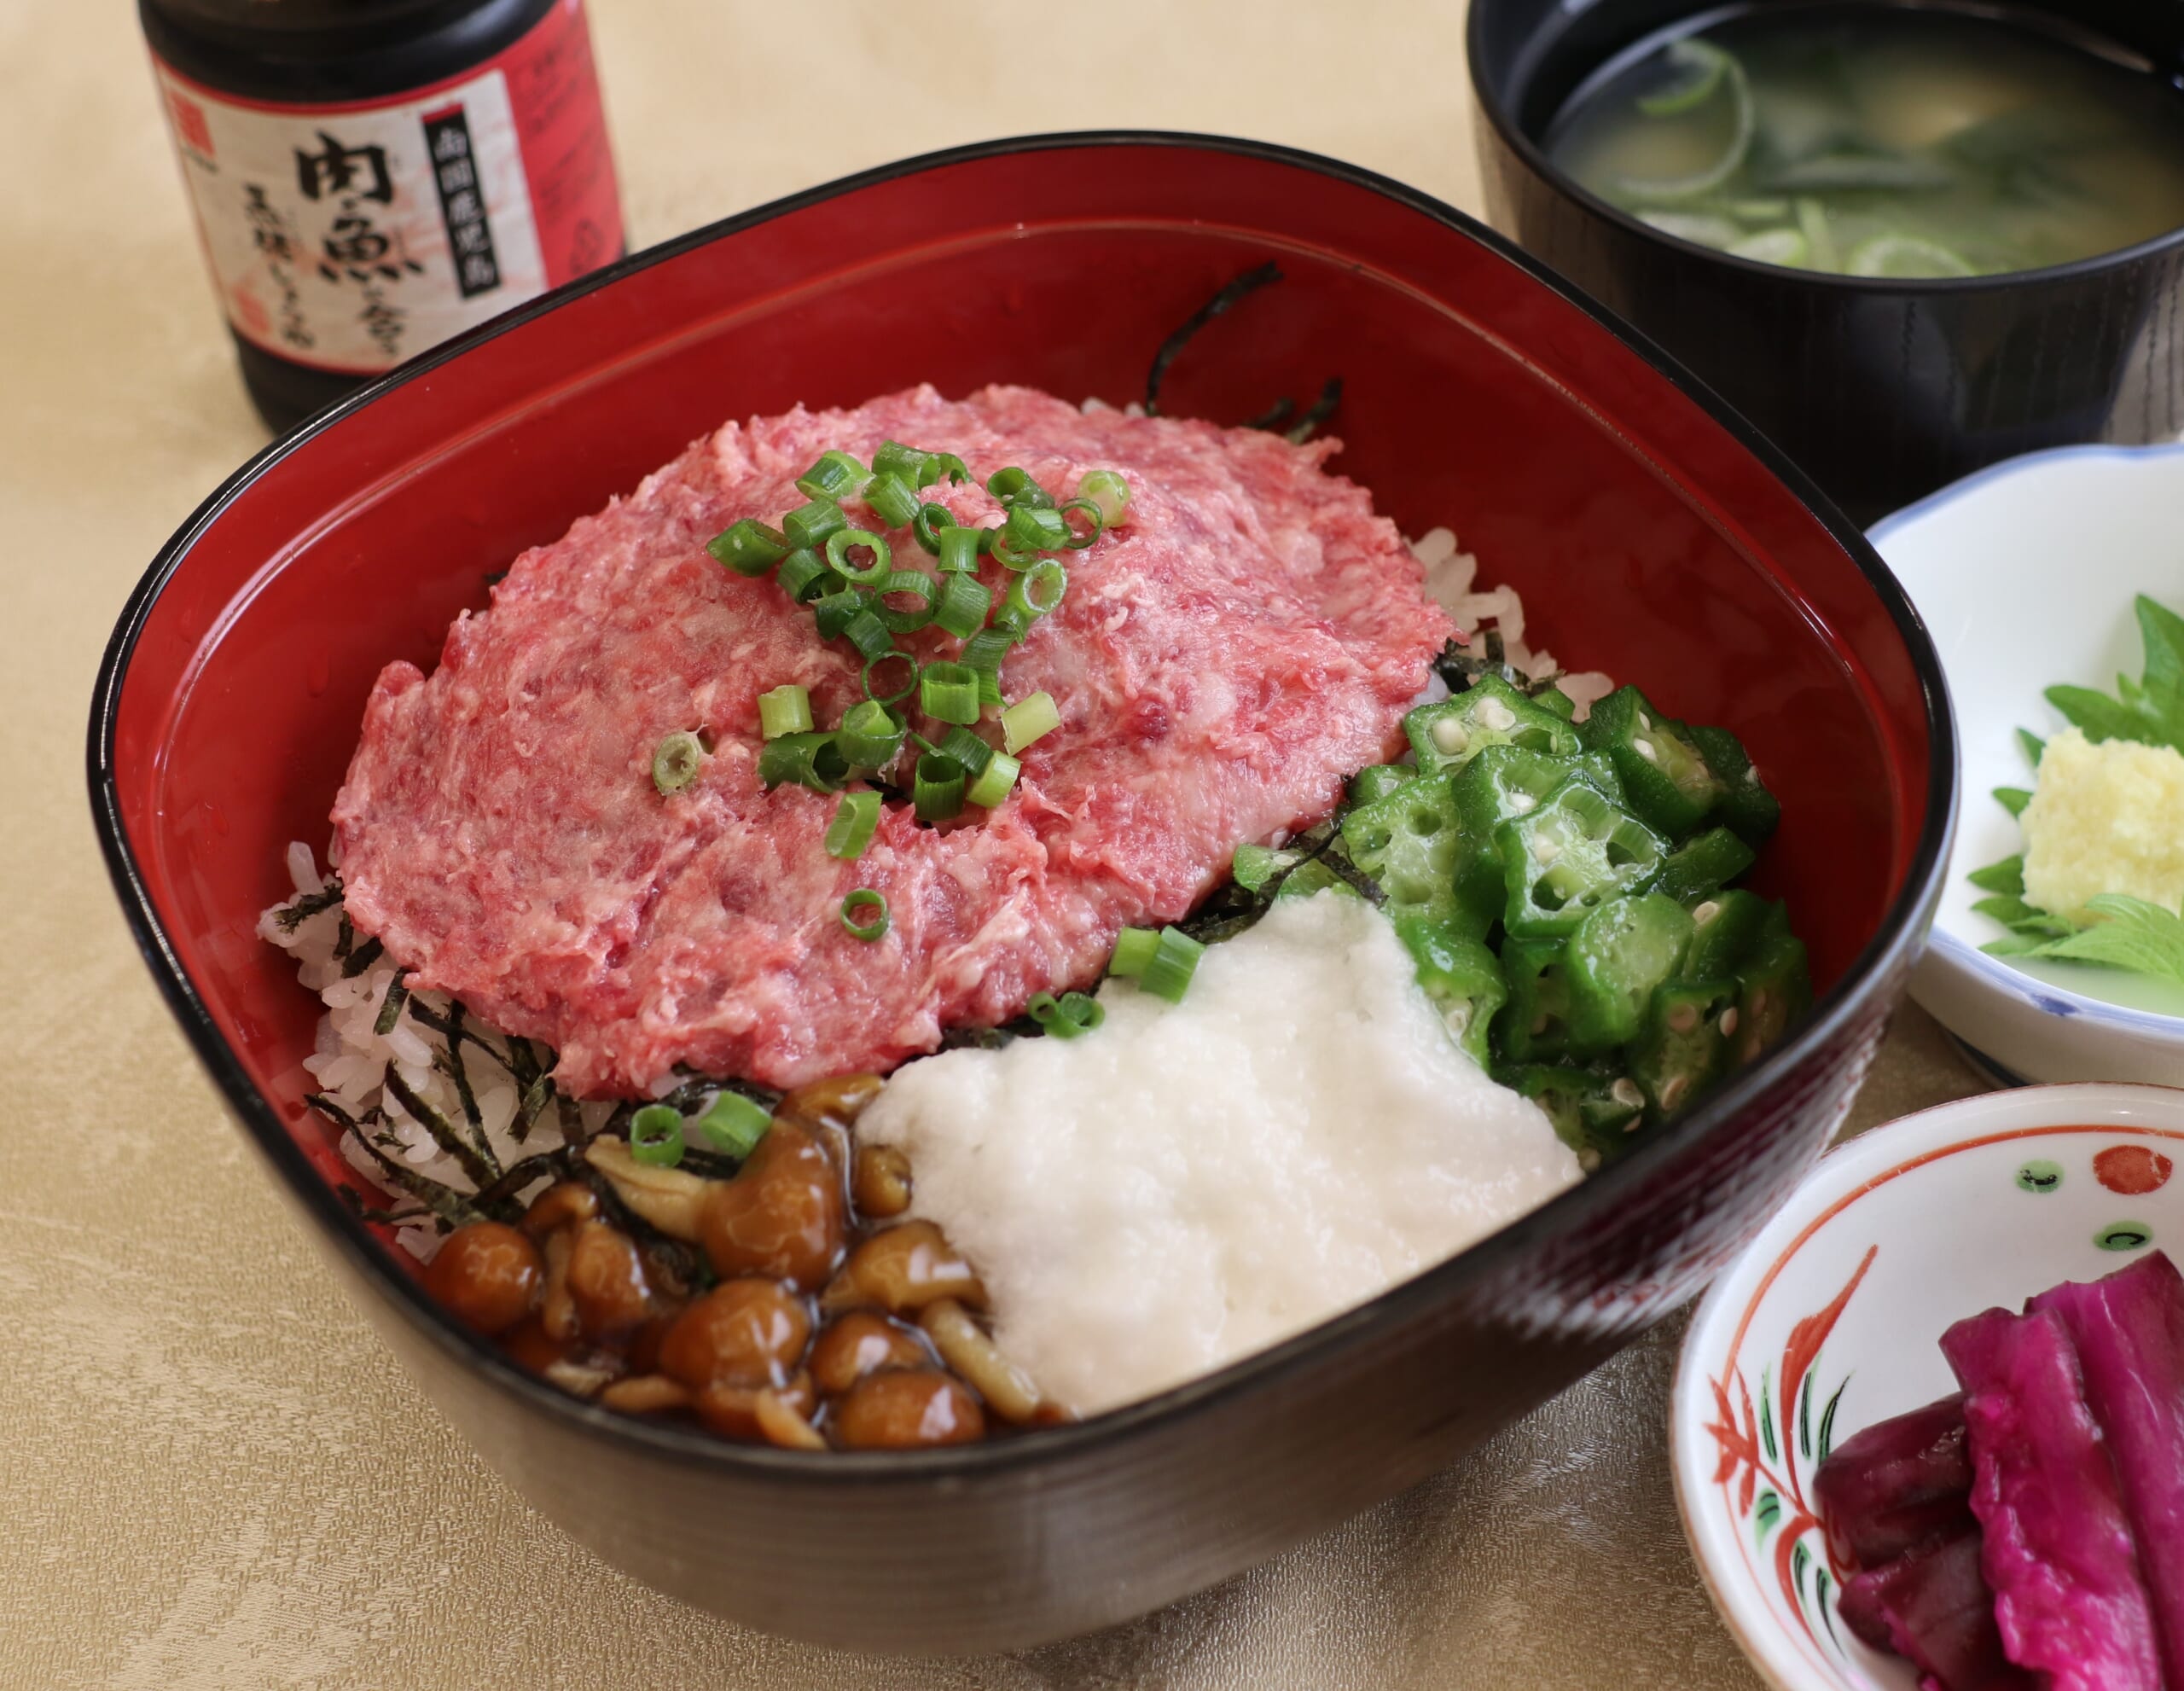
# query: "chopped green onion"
[[810, 525], [1029, 719], [836, 476], [786, 710], [675, 763], [949, 693], [1014, 487], [1010, 557], [1174, 961], [1078, 542], [812, 761], [749, 547], [1065, 1018], [1039, 590], [656, 1135], [951, 467], [962, 606], [1252, 865], [1012, 622], [994, 782], [1034, 529], [989, 688], [931, 522], [1082, 1009], [869, 635], [938, 788], [1134, 949], [986, 648], [855, 816], [1110, 492], [893, 499], [907, 621], [838, 545], [958, 550], [733, 1124], [831, 611], [871, 735], [1702, 65], [872, 927], [908, 686], [916, 467], [803, 575], [965, 748]]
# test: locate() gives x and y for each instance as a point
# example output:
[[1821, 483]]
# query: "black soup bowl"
[[1881, 390]]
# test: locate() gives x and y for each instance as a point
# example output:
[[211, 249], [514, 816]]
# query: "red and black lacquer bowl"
[[1651, 534]]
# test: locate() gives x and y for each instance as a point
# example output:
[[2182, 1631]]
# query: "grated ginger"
[[2104, 817]]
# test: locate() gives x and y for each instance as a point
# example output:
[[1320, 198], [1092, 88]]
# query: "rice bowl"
[[1585, 1270]]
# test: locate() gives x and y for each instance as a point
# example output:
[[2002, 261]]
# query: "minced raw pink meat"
[[1220, 664]]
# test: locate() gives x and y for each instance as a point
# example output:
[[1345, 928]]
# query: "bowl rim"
[[2062, 1104], [1990, 973], [1894, 943], [1513, 136]]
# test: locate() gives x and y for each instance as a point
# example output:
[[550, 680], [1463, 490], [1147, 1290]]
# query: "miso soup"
[[1879, 141]]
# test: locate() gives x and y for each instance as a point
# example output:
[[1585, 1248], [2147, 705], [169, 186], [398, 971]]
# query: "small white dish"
[[1832, 1320], [2024, 573]]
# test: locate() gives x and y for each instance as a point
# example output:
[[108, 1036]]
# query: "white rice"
[[1450, 576], [350, 1062]]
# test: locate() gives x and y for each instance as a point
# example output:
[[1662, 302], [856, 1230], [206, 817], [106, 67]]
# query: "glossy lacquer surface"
[[1650, 536], [1881, 391]]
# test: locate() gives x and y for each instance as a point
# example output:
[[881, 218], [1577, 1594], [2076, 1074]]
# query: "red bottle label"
[[348, 237]]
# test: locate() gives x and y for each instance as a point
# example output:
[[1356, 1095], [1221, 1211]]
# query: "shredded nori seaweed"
[[520, 1174], [361, 958], [449, 1061], [390, 1007], [991, 1038], [533, 1105], [478, 1164], [1321, 409], [1277, 414], [1459, 665], [450, 1206], [290, 916], [452, 1028]]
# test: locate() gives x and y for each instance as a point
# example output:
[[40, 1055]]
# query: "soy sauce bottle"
[[372, 176]]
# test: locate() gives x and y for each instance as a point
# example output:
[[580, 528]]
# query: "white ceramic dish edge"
[[2027, 1027], [1967, 1148]]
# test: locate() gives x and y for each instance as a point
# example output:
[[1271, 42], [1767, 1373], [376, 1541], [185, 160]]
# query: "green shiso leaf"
[[2013, 798], [2129, 933], [2006, 876], [2150, 710], [2096, 715], [2162, 630], [2033, 744]]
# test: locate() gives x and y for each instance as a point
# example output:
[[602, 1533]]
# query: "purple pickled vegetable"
[[2128, 1331], [2068, 1596], [1934, 1606], [1860, 1604], [1897, 1484]]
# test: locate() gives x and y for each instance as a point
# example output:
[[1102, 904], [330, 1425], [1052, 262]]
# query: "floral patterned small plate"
[[1832, 1320]]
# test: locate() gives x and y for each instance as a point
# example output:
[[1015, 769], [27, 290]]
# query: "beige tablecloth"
[[213, 1475]]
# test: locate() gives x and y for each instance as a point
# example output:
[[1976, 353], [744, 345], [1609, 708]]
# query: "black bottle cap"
[[313, 51]]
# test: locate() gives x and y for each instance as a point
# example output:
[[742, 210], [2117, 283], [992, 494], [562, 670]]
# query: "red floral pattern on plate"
[[1753, 1457]]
